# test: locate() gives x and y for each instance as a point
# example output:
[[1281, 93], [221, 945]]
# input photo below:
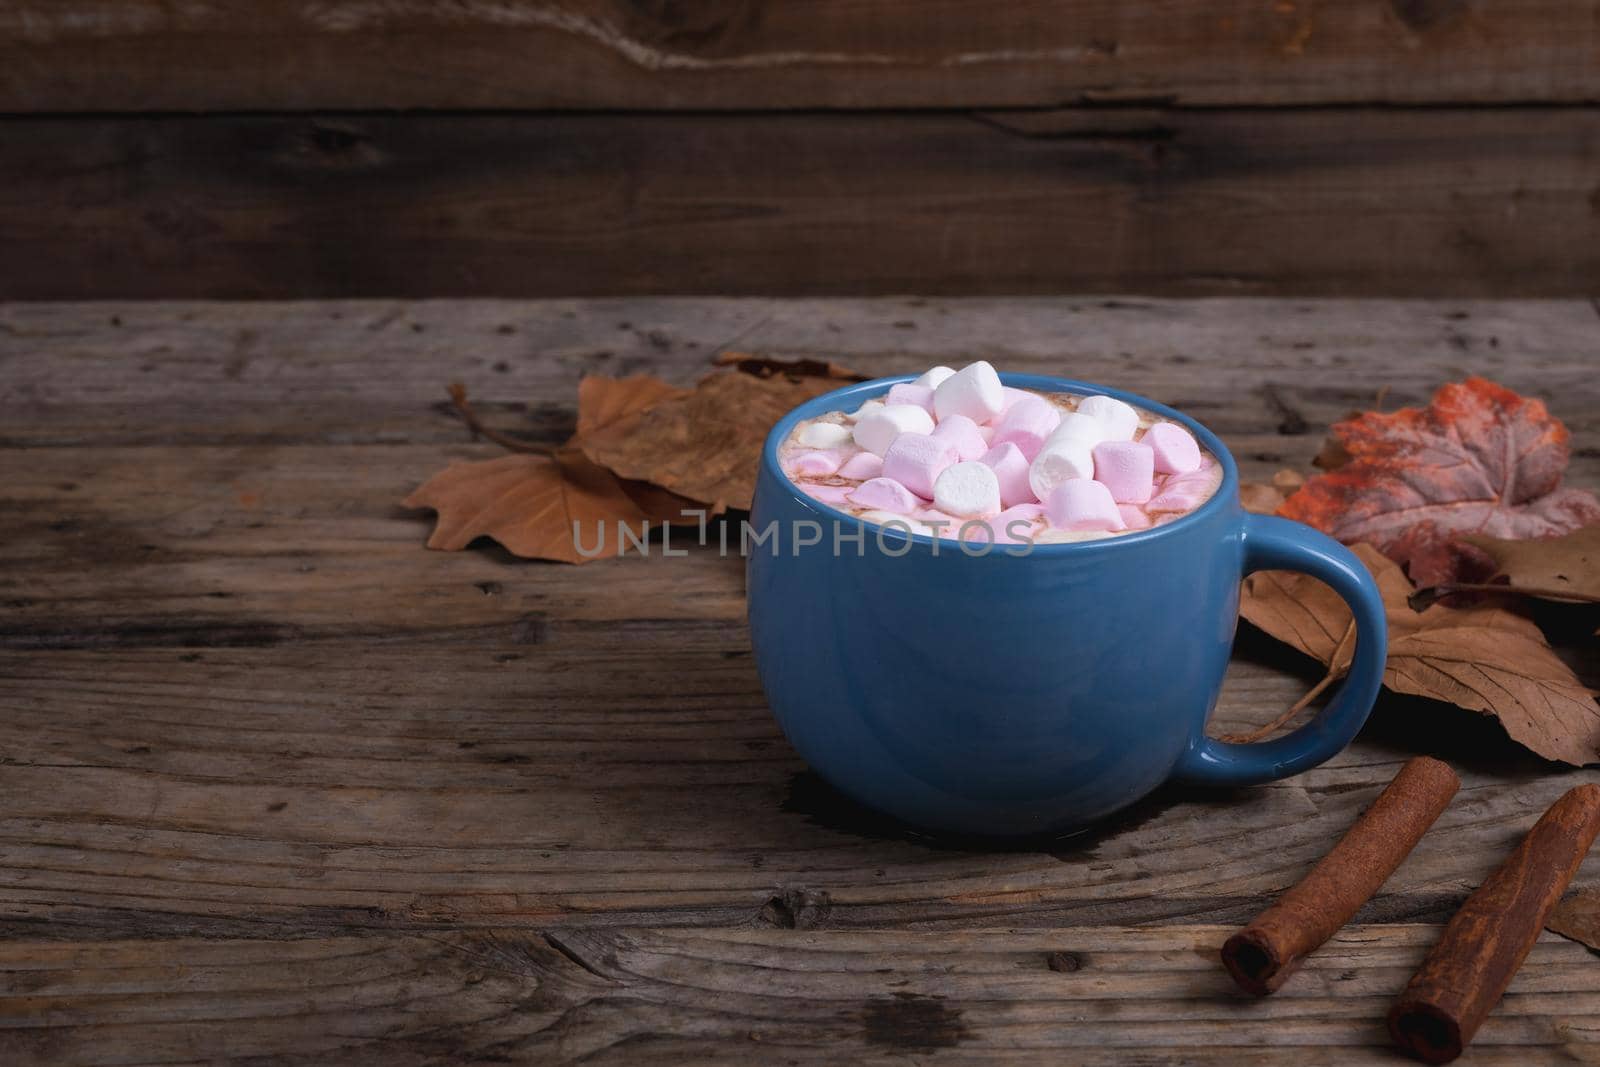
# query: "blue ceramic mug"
[[1013, 694]]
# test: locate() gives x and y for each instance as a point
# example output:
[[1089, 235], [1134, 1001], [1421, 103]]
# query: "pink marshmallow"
[[1010, 466], [1000, 529], [828, 494], [815, 464], [1083, 504], [1027, 424], [1024, 515], [1012, 397], [915, 460], [963, 433], [911, 393], [1181, 492], [884, 494], [862, 466], [1176, 451], [1127, 468], [1133, 516]]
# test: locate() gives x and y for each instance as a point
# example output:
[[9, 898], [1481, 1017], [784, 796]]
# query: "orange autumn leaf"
[[1480, 459], [1483, 658], [603, 400], [704, 444], [530, 503]]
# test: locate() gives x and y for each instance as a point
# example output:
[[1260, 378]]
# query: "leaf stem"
[[1336, 670], [1427, 597], [458, 399]]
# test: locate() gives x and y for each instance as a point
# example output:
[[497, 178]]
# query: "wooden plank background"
[[288, 55], [277, 782], [608, 147]]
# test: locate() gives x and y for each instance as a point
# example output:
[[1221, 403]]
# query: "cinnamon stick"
[[1262, 955], [1486, 941]]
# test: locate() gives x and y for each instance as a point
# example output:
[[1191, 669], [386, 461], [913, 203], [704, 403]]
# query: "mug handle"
[[1279, 544]]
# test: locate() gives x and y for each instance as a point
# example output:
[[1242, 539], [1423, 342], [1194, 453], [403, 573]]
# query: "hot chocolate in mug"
[[1033, 689]]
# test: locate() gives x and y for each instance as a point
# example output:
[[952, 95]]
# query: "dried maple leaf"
[[1563, 564], [1478, 460], [529, 503], [1578, 916], [704, 444], [1484, 658], [603, 401]]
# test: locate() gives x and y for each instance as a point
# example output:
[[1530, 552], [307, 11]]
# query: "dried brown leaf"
[[603, 401], [1265, 498], [1483, 658], [1578, 916], [705, 444], [529, 504], [1571, 562]]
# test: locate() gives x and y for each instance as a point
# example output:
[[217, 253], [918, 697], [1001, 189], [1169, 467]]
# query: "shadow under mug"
[[1012, 694]]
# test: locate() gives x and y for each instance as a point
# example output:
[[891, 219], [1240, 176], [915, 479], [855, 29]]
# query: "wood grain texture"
[[1395, 202], [277, 782], [143, 55], [694, 995]]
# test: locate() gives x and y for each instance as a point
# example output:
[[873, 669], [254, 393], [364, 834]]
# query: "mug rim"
[[831, 401]]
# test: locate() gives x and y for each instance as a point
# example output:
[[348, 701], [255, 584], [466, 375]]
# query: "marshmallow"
[[1175, 449], [1083, 504], [1076, 426], [1012, 396], [1015, 526], [1133, 516], [828, 494], [964, 434], [864, 410], [1181, 492], [934, 377], [974, 391], [815, 464], [884, 494], [967, 490], [1010, 468], [915, 460], [1127, 468], [911, 393], [877, 431], [1028, 423], [861, 466], [1058, 462], [899, 523], [1121, 421], [824, 435]]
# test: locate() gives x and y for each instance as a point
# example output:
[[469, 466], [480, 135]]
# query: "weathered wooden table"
[[278, 783]]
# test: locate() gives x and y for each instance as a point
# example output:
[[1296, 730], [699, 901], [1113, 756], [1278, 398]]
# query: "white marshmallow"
[[864, 410], [934, 377], [1059, 461], [974, 391], [824, 435], [967, 490], [1076, 426], [900, 523], [1120, 420], [877, 431]]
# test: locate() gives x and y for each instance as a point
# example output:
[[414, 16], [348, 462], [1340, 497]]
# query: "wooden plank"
[[144, 55], [695, 996], [1266, 374], [614, 775], [1410, 202]]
